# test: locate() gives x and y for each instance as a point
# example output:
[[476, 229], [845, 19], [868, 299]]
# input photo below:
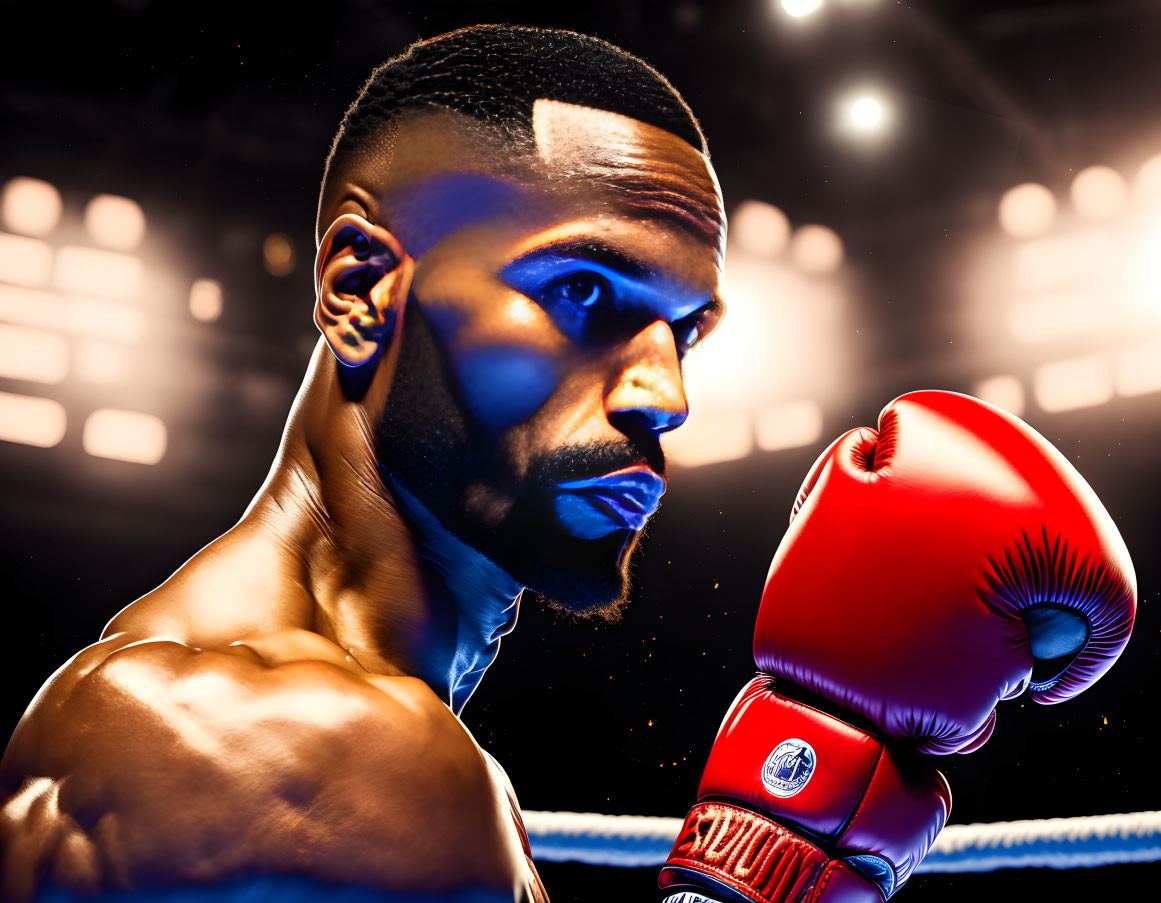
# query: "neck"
[[384, 579]]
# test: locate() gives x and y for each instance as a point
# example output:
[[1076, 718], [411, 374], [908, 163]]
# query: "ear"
[[362, 277]]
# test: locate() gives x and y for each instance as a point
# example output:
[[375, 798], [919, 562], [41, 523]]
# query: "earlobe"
[[362, 277]]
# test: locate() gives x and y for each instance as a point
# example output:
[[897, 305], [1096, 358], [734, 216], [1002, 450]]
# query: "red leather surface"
[[905, 806], [839, 883], [760, 720], [900, 589], [741, 849], [860, 798]]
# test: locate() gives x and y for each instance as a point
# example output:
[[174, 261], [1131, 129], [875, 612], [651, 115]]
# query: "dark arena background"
[[957, 195]]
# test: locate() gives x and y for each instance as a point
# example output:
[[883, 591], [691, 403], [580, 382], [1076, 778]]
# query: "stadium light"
[[31, 421], [816, 249], [1005, 392], [1027, 210], [205, 300], [278, 254], [124, 436], [1099, 193], [798, 8], [115, 222], [760, 229], [30, 206], [864, 115]]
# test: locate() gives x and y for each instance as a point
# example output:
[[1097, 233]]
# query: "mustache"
[[547, 469]]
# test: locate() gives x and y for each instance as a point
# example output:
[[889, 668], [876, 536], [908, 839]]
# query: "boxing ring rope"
[[631, 841]]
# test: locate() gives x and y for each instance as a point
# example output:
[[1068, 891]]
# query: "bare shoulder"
[[155, 761]]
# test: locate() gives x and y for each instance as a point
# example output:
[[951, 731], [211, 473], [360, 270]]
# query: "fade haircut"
[[496, 73]]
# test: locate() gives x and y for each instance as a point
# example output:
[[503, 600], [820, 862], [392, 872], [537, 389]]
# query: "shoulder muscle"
[[165, 762]]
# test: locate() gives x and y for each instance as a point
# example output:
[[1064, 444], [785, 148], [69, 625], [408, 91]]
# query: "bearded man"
[[519, 237]]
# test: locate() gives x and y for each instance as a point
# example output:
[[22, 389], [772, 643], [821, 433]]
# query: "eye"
[[583, 290], [689, 330], [686, 334]]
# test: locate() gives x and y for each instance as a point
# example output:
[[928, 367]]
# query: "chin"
[[584, 578]]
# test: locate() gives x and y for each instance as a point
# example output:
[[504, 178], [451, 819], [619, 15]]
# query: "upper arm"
[[168, 763]]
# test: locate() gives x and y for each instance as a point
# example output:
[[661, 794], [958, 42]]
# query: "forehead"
[[449, 170]]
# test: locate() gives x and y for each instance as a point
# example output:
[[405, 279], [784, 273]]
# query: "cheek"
[[505, 385]]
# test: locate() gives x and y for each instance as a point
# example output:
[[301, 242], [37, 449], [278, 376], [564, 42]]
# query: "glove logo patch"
[[789, 767]]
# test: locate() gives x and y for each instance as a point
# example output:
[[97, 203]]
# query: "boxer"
[[519, 237]]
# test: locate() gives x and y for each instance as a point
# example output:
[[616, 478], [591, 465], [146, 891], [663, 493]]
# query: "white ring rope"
[[642, 840]]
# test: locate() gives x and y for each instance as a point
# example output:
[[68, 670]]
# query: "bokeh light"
[[816, 249], [798, 8], [1028, 210], [1099, 193], [124, 436], [205, 300], [115, 222], [30, 206], [759, 228], [31, 421], [278, 254], [1005, 392]]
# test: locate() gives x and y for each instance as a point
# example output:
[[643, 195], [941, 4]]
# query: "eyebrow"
[[597, 251]]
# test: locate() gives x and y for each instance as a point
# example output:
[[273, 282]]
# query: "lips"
[[593, 507]]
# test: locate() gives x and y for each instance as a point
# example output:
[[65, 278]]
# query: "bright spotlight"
[[798, 8], [864, 114]]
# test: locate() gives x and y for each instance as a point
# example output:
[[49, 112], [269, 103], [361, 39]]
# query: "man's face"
[[556, 289]]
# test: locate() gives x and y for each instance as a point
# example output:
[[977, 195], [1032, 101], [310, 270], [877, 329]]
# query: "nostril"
[[651, 420]]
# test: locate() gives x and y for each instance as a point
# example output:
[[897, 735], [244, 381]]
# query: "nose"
[[646, 389]]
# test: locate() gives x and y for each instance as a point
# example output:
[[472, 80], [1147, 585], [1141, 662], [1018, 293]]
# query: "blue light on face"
[[595, 294], [503, 385], [436, 207]]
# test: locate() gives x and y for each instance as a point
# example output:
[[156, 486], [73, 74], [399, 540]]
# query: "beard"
[[429, 444]]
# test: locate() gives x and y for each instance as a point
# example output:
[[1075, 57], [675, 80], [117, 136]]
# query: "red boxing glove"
[[796, 806], [938, 566]]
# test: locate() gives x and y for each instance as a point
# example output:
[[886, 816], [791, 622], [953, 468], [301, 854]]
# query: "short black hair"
[[495, 73]]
